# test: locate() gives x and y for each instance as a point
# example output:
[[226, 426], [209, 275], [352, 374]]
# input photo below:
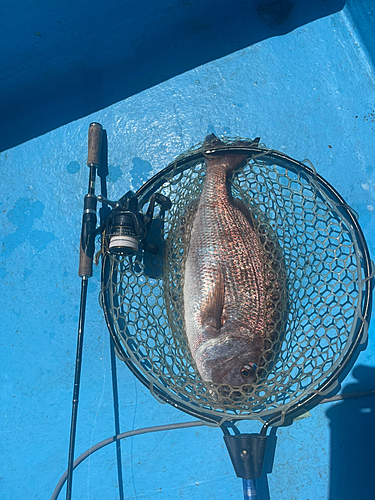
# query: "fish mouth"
[[229, 360]]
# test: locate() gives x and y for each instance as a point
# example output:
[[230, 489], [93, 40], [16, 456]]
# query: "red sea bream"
[[234, 294]]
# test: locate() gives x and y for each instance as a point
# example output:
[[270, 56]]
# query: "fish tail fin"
[[230, 160]]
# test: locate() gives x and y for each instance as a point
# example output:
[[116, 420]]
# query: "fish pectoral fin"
[[212, 308]]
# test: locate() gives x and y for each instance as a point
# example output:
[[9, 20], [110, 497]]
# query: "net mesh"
[[324, 283]]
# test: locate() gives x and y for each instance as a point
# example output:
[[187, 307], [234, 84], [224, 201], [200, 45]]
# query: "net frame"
[[278, 414]]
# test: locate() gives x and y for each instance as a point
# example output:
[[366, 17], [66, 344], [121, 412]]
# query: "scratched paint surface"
[[309, 93]]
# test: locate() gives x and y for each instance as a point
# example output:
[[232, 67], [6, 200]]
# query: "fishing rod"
[[85, 270], [125, 229]]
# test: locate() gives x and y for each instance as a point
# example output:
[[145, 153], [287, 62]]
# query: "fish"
[[234, 290]]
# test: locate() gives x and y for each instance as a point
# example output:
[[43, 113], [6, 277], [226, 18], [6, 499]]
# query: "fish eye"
[[248, 371]]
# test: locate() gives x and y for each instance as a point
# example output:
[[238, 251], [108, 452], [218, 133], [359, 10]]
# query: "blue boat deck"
[[159, 78]]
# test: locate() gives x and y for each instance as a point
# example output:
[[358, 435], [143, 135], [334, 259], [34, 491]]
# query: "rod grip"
[[87, 244], [95, 143], [85, 263]]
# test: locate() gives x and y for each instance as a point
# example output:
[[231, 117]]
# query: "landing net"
[[327, 286]]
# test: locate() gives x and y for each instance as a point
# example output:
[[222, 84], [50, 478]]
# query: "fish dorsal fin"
[[244, 210], [212, 308]]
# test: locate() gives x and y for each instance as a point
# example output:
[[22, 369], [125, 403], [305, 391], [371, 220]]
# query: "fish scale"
[[225, 300]]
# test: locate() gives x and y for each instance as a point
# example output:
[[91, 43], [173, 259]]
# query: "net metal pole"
[[249, 489], [103, 213]]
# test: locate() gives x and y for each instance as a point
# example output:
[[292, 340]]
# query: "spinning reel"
[[125, 229]]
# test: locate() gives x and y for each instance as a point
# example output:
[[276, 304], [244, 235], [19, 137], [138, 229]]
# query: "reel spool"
[[329, 280]]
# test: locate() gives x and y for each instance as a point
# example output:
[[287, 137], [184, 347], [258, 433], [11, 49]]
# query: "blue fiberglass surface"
[[62, 63], [309, 93]]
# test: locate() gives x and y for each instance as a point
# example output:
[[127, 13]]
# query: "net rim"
[[333, 381]]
